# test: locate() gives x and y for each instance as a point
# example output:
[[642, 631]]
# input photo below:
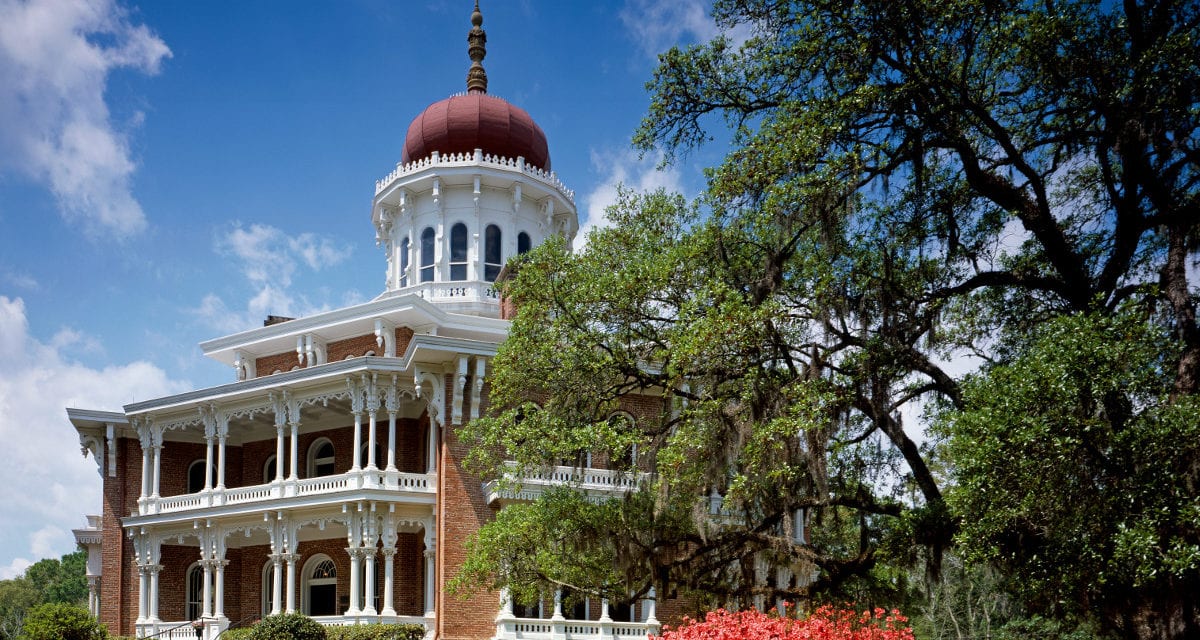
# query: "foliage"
[[17, 597], [826, 623], [287, 626], [50, 580], [240, 633], [1081, 468], [376, 632], [59, 621], [61, 580], [914, 190]]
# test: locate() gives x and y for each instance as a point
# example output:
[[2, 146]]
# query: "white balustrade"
[[536, 629], [325, 485], [472, 160]]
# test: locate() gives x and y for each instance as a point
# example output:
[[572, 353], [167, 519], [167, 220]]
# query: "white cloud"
[[622, 168], [268, 258], [49, 486], [55, 58], [656, 25]]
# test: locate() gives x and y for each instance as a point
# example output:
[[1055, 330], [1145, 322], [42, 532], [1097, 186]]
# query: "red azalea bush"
[[826, 623]]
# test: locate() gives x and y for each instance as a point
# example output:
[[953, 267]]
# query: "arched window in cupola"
[[492, 260], [458, 252], [427, 243], [523, 244], [404, 246]]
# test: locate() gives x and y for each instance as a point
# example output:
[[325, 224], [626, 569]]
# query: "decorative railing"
[[325, 485], [212, 627], [476, 159], [597, 483], [536, 629], [463, 291]]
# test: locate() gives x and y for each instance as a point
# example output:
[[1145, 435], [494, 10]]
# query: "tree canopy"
[[980, 214]]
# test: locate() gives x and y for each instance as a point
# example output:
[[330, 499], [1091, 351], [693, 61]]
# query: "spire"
[[477, 49]]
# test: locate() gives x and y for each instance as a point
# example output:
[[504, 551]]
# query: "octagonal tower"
[[473, 188]]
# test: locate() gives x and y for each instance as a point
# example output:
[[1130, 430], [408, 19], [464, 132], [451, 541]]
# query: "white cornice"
[[423, 349], [402, 310]]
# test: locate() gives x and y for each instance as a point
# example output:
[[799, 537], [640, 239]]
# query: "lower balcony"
[[211, 628], [563, 629]]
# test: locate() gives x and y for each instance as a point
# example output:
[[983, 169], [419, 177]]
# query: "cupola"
[[473, 188]]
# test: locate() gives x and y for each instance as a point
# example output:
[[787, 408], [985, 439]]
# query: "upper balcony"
[[366, 484], [596, 484]]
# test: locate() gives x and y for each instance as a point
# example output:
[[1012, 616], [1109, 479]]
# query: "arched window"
[[427, 254], [195, 476], [523, 245], [366, 450], [320, 586], [492, 260], [458, 252], [404, 247], [623, 423], [269, 470], [528, 610], [194, 604], [320, 458], [268, 588]]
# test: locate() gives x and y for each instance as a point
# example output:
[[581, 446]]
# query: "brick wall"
[[461, 512], [338, 350], [352, 348], [267, 365], [118, 582]]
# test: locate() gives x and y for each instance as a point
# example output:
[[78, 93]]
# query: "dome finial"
[[477, 49]]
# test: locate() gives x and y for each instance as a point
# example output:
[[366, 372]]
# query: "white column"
[[357, 441], [355, 581], [389, 578], [506, 604], [369, 583], [277, 581], [431, 454], [430, 565], [154, 569], [93, 596], [143, 594], [157, 470], [146, 462], [279, 459], [208, 462], [221, 437], [291, 582], [219, 589], [294, 475], [648, 606], [206, 597], [558, 614], [604, 616], [391, 460], [371, 439]]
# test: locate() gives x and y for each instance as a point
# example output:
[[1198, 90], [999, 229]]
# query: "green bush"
[[58, 621], [377, 632], [241, 633], [289, 626]]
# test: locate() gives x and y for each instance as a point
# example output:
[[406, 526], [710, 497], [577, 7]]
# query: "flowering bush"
[[826, 623]]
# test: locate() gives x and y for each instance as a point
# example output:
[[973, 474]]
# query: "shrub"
[[289, 626], [377, 632], [826, 623], [58, 621], [241, 633]]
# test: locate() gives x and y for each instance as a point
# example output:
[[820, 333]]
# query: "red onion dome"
[[464, 123]]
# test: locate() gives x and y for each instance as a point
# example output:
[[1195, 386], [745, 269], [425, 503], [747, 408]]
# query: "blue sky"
[[174, 171]]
